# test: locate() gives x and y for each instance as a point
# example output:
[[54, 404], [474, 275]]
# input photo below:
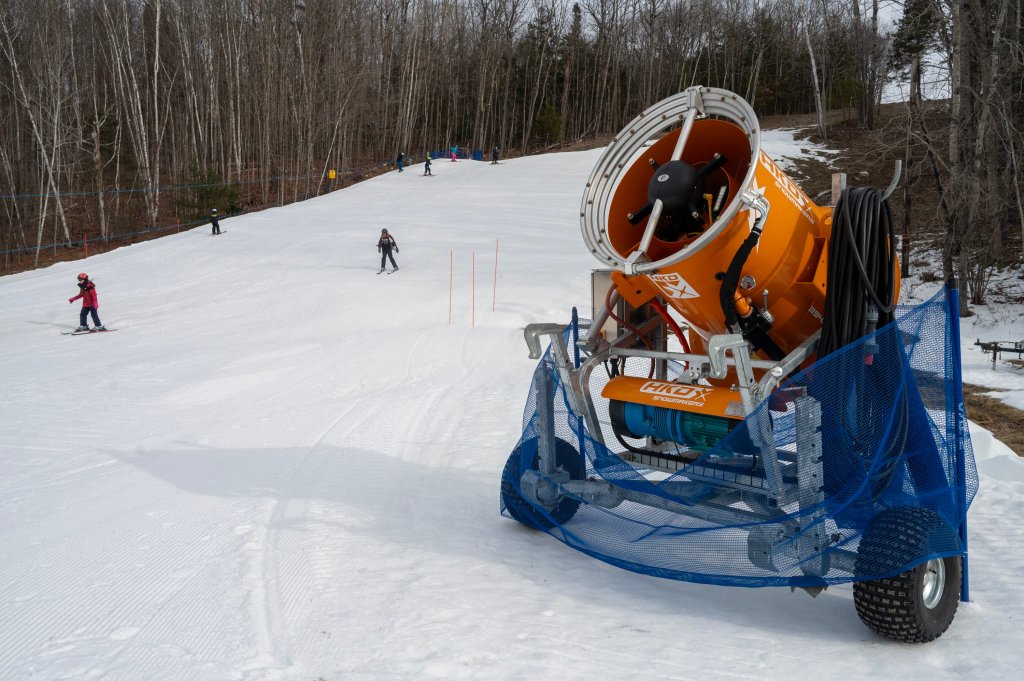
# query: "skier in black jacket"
[[213, 221], [384, 246]]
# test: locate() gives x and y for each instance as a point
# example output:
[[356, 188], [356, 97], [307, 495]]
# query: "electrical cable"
[[751, 330], [672, 324], [629, 447], [633, 329], [861, 268]]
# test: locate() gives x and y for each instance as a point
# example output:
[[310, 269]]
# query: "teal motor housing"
[[696, 431]]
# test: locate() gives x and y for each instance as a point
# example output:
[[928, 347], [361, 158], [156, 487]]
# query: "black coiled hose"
[[861, 275], [861, 268]]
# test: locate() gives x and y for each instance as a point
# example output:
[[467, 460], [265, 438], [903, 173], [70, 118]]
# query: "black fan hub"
[[673, 183]]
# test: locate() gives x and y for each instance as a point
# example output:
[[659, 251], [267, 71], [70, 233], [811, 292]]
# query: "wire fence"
[[159, 188], [323, 185], [84, 241], [284, 196]]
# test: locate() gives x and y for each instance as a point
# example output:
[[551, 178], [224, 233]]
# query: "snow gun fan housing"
[[699, 217], [788, 421], [717, 191]]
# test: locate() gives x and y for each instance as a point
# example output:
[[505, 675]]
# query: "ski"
[[84, 333]]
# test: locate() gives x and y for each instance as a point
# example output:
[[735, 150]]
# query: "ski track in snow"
[[284, 467]]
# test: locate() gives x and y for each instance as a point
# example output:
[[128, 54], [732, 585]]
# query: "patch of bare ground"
[[868, 157], [998, 417], [581, 144]]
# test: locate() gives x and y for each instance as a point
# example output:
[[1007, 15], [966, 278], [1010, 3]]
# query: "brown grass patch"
[[1005, 422]]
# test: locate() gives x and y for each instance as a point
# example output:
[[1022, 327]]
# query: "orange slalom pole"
[[473, 323], [451, 270], [494, 290]]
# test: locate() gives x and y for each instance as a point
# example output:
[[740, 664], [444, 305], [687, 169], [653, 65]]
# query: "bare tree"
[[249, 102], [48, 151]]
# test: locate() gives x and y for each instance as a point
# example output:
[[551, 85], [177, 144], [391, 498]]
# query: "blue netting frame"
[[895, 462]]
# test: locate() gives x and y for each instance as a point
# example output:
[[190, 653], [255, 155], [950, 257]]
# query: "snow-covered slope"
[[285, 466]]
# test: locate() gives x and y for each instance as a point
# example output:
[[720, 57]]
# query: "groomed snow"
[[285, 466]]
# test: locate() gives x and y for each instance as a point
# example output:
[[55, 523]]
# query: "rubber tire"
[[566, 458], [894, 607]]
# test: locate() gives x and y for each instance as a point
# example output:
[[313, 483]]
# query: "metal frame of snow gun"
[[676, 206], [713, 487]]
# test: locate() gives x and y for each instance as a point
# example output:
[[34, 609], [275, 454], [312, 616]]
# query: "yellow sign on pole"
[[331, 175]]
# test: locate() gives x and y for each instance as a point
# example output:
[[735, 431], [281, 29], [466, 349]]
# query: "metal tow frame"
[[708, 489]]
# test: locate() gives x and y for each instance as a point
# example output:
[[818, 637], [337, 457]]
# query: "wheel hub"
[[934, 583]]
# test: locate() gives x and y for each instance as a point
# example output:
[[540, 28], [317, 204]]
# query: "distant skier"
[[90, 303], [384, 246], [213, 222], [426, 166], [454, 151], [400, 161], [495, 152]]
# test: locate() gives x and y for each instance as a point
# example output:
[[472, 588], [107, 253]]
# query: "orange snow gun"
[[704, 238], [692, 218], [688, 209]]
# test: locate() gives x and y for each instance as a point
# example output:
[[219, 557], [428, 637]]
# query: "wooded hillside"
[[119, 116]]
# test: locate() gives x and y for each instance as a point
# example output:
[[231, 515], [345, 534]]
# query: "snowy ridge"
[[286, 467]]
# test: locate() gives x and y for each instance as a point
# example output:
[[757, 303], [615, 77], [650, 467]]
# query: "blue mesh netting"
[[883, 484]]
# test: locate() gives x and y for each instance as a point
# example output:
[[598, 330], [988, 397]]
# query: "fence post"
[[494, 291], [958, 424], [838, 185]]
